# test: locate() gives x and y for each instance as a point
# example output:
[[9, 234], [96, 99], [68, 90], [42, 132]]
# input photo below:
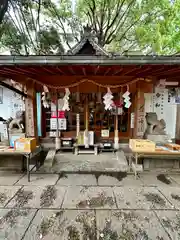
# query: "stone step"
[[48, 162], [120, 156]]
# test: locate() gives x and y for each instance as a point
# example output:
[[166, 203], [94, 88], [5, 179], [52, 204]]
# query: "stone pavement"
[[67, 162], [89, 207]]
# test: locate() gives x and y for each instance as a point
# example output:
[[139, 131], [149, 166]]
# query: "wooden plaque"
[[30, 131]]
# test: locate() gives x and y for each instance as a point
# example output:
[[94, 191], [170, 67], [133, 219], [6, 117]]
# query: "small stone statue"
[[154, 126], [16, 125]]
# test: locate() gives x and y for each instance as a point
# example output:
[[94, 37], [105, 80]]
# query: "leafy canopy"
[[52, 26]]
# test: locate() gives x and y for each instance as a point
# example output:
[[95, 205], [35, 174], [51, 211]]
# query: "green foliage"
[[51, 27], [23, 32]]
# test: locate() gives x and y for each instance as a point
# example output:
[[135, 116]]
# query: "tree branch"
[[62, 26], [27, 28], [119, 24], [117, 14]]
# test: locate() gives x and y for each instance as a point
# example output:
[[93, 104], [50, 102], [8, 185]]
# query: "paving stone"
[[176, 178], [108, 181], [116, 180], [140, 198], [104, 162], [89, 197], [131, 181], [64, 225], [14, 222], [38, 197], [6, 193], [129, 225], [77, 179], [157, 180], [170, 220], [172, 194], [9, 178], [39, 180]]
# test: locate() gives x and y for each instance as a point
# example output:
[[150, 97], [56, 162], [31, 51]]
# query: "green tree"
[[52, 27], [162, 35], [124, 25], [23, 32]]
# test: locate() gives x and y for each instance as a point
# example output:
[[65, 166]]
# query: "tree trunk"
[[3, 9]]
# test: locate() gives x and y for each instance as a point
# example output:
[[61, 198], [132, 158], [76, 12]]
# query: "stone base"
[[57, 143], [154, 163], [116, 142], [158, 138]]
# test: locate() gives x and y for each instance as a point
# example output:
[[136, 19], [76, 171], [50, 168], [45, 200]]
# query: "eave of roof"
[[90, 60], [99, 50]]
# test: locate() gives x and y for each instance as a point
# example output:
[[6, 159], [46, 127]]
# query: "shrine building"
[[136, 84]]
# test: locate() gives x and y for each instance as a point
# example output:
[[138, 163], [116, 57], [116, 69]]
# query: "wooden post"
[[86, 139], [116, 133], [57, 125], [139, 113], [30, 111], [135, 114], [87, 116], [77, 124]]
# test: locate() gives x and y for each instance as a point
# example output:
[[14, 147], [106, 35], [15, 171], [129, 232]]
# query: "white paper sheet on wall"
[[132, 120], [148, 107], [165, 111], [159, 102]]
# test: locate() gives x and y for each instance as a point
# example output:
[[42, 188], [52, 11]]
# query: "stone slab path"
[[87, 206], [109, 162]]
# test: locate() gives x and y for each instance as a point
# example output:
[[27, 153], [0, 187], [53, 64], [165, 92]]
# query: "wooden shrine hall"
[[88, 72]]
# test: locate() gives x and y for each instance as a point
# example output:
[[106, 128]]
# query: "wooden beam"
[[96, 70], [170, 71], [120, 70], [131, 70], [157, 70], [23, 71], [71, 70], [47, 70], [84, 71], [142, 71], [59, 70], [13, 89], [13, 71], [35, 71], [107, 71]]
